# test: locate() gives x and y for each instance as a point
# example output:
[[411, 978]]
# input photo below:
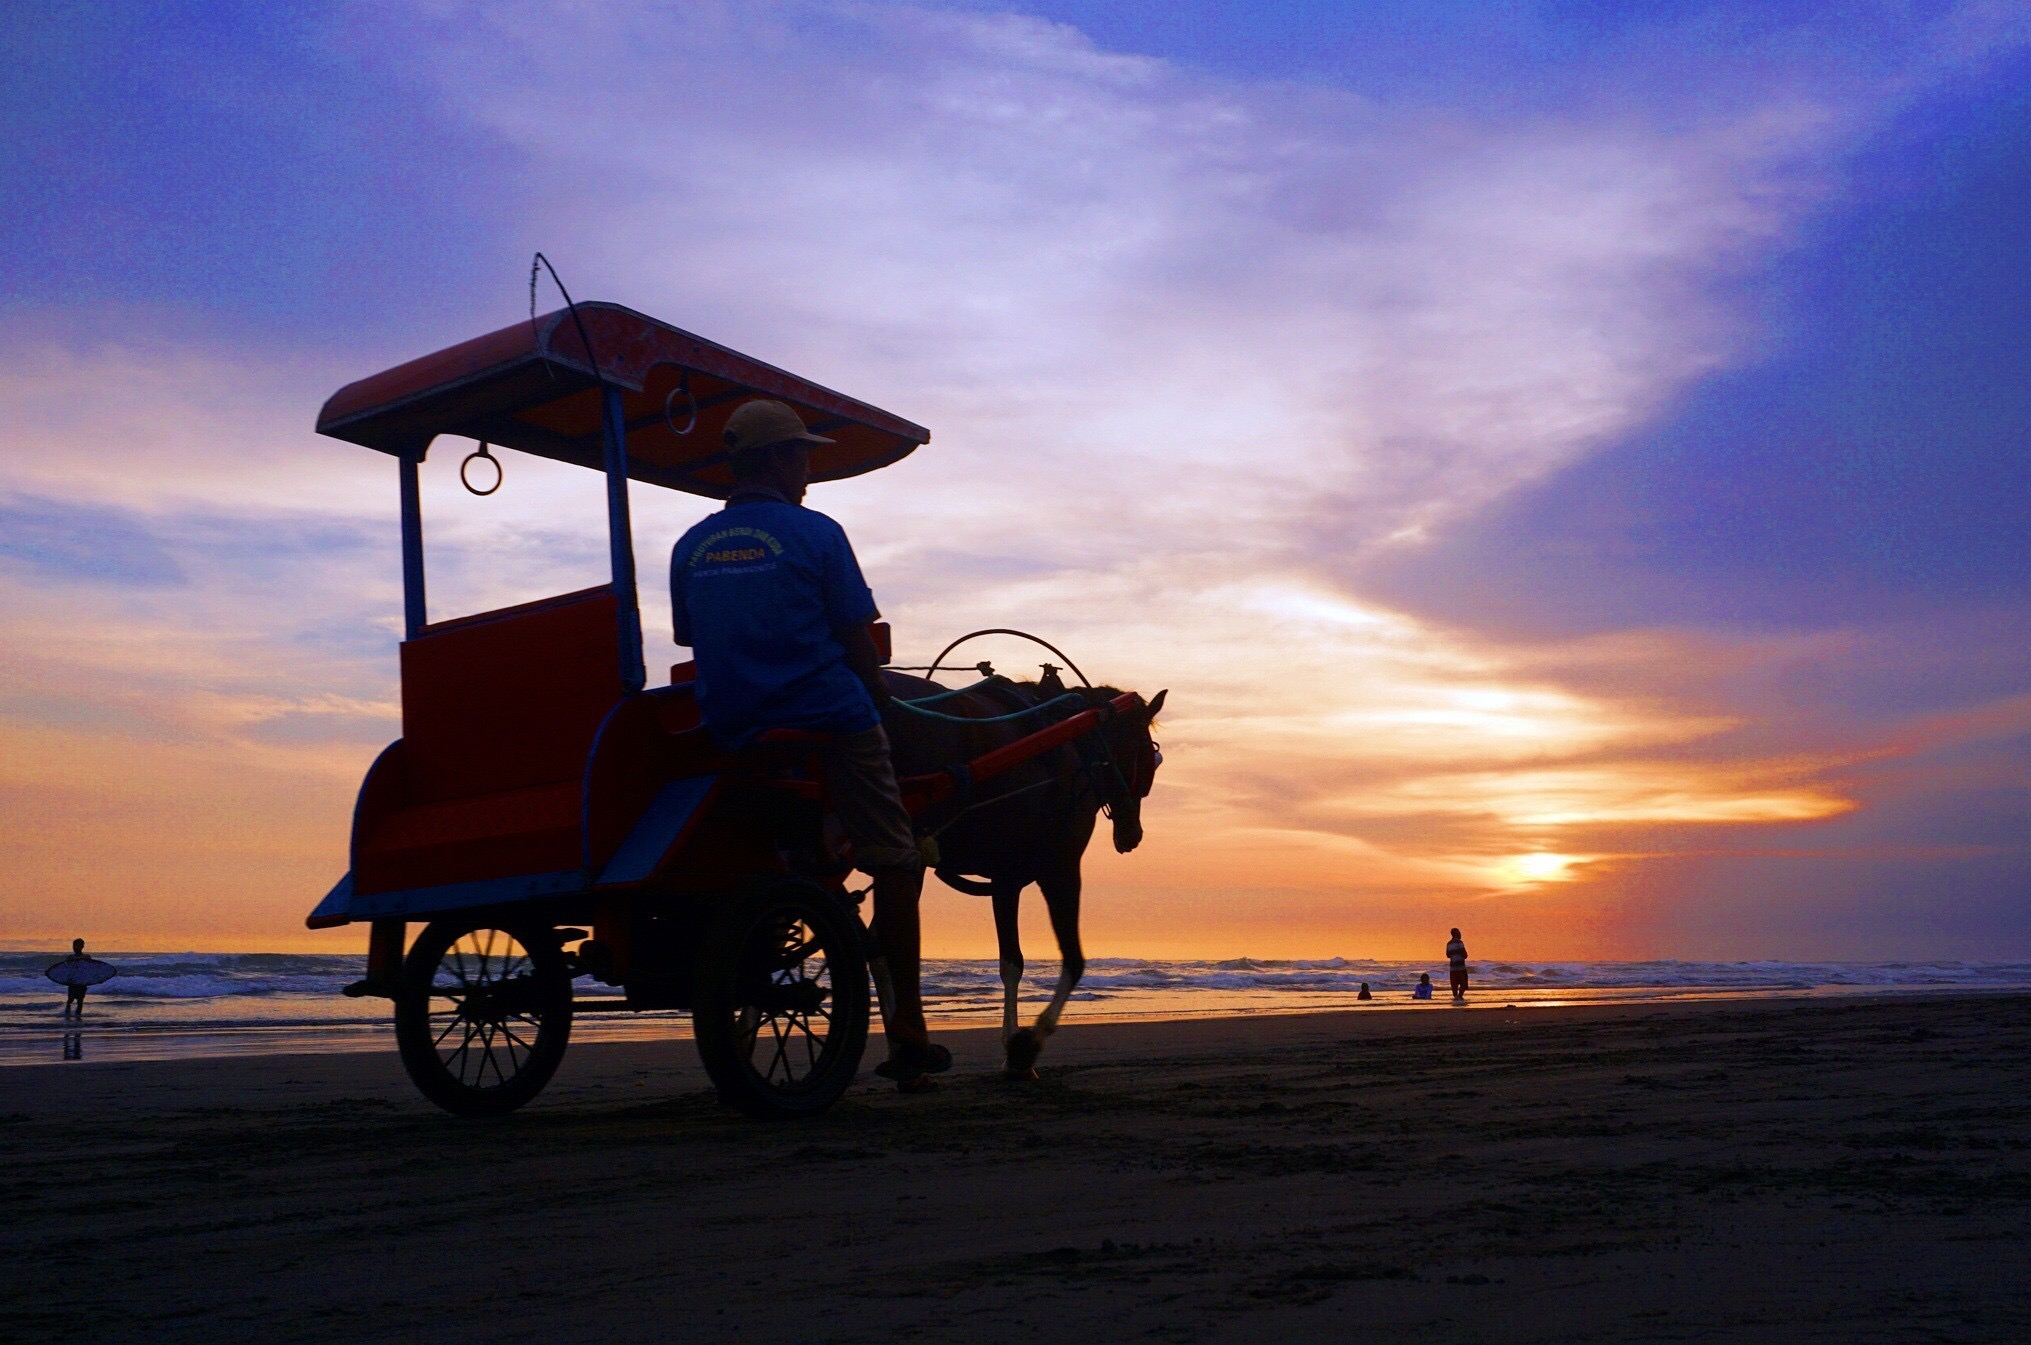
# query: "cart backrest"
[[509, 699]]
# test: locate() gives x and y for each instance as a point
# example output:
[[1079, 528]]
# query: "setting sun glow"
[[1543, 867]]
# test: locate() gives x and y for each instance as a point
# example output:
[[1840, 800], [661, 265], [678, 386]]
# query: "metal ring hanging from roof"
[[466, 481], [683, 386]]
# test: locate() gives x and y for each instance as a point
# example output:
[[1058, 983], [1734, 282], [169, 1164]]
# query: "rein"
[[1095, 752], [916, 707]]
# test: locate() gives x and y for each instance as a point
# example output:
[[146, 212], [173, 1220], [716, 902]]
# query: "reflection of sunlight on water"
[[1139, 1006], [166, 1006], [108, 1039]]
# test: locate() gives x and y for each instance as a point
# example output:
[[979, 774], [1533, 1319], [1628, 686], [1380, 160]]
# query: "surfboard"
[[82, 971]]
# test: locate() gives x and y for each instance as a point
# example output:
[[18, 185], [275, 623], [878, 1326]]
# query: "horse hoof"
[[1023, 1049], [1021, 1075]]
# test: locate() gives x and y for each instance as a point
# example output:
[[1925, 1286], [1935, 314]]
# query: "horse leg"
[[1008, 935], [1008, 899], [1061, 898]]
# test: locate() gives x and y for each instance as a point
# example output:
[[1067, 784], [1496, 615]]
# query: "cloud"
[[1192, 349], [1096, 268], [1166, 312], [73, 542]]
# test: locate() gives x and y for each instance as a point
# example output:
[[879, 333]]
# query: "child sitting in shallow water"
[[1423, 989]]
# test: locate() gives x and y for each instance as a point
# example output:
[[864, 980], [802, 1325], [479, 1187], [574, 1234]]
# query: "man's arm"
[[865, 660], [849, 607]]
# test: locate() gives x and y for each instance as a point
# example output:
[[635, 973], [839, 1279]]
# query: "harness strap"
[[915, 709], [962, 800]]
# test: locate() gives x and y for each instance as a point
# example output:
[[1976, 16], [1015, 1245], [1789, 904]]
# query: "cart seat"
[[460, 840], [499, 714]]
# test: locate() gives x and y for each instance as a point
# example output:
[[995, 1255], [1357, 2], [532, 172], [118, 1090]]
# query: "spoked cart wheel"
[[782, 1000], [483, 1014]]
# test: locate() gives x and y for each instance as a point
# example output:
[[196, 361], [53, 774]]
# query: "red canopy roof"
[[531, 387]]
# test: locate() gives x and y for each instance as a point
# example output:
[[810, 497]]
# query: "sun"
[[1542, 867]]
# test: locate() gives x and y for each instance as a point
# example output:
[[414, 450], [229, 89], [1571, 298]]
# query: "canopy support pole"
[[415, 614], [621, 540]]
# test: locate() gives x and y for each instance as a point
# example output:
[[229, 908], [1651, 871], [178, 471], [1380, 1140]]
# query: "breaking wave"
[[259, 976]]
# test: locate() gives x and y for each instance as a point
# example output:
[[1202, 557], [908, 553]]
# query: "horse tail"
[[972, 887]]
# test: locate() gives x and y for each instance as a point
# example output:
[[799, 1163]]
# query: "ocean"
[[168, 1005]]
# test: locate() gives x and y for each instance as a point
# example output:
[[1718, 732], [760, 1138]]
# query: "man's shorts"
[[1459, 978], [861, 777]]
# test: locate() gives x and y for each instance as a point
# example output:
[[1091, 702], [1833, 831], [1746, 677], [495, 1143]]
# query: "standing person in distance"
[[1456, 959], [74, 1001]]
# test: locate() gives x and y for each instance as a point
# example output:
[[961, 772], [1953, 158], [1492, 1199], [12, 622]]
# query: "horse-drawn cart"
[[546, 816]]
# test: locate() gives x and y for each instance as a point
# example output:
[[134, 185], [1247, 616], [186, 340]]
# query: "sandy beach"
[[1763, 1170]]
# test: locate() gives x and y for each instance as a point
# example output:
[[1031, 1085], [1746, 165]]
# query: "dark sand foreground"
[[1857, 1170]]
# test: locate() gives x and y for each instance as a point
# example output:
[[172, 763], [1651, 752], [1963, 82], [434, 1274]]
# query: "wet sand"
[[1763, 1170]]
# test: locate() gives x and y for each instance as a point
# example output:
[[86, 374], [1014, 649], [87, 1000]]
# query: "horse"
[[1031, 825]]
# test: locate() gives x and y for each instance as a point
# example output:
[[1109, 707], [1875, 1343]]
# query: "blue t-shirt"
[[756, 590]]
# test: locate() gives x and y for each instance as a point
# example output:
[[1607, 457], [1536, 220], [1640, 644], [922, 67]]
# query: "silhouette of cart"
[[546, 816]]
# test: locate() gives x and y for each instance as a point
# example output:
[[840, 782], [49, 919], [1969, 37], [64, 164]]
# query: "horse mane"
[[1093, 695]]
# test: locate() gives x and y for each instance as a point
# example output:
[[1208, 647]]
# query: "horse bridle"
[[1099, 756]]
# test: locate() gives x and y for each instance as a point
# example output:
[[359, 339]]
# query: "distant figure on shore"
[[1364, 992], [1456, 958], [1423, 988], [74, 1001]]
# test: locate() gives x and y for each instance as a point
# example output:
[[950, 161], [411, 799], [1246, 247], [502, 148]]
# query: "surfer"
[[75, 1001]]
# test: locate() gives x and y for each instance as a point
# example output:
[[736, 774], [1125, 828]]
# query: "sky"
[[1566, 461]]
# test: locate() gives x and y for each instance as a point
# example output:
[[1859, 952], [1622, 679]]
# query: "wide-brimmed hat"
[[762, 422]]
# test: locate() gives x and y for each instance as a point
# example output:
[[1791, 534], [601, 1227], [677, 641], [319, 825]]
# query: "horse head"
[[1131, 770]]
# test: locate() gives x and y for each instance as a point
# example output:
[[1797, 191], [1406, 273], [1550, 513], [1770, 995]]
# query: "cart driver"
[[771, 601]]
